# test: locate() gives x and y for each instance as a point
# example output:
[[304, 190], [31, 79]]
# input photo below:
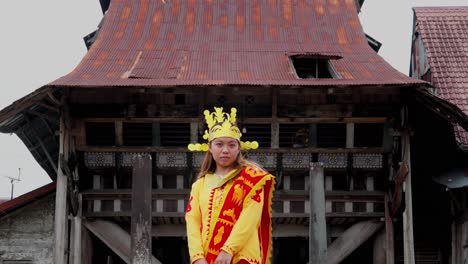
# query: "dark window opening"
[[359, 207], [170, 206], [338, 207], [257, 132], [297, 206], [277, 206], [137, 134], [331, 135], [174, 134], [359, 182], [368, 135], [100, 134], [179, 99], [297, 182], [312, 68], [293, 135], [169, 181], [340, 182]]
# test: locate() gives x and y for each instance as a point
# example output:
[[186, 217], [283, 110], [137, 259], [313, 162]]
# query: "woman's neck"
[[220, 171]]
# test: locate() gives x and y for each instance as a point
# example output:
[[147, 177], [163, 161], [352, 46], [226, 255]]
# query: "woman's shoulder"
[[255, 170]]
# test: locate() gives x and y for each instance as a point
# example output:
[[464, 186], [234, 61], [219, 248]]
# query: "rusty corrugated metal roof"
[[444, 32], [232, 42]]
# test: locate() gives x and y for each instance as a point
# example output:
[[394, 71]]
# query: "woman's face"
[[225, 151]]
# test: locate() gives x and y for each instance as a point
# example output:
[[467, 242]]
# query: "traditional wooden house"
[[440, 124], [308, 86]]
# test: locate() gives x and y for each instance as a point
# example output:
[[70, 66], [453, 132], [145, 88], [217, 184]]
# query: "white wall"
[[28, 234]]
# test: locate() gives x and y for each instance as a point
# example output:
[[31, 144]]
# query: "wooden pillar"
[[60, 219], [286, 187], [141, 210], [349, 135], [77, 239], [390, 244], [408, 239], [317, 222], [86, 247], [380, 248], [194, 132]]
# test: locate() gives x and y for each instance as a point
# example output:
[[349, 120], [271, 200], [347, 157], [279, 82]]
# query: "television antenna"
[[12, 180]]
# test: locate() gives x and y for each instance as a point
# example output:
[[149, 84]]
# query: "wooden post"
[[193, 132], [349, 135], [408, 239], [77, 232], [317, 223], [141, 210], [119, 133], [390, 252], [60, 220], [379, 256], [286, 187], [275, 135]]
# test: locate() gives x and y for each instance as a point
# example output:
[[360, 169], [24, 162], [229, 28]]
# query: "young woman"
[[229, 211]]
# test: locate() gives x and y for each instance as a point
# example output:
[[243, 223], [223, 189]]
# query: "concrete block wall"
[[28, 233]]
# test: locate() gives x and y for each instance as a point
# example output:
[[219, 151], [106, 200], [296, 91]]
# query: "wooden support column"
[[286, 187], [141, 210], [390, 253], [317, 223], [60, 219], [349, 135], [193, 132], [408, 238], [274, 119], [119, 133], [77, 238], [379, 256]]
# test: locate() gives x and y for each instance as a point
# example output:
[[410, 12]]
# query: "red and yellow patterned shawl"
[[246, 187]]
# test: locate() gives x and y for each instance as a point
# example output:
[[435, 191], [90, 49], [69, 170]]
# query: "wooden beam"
[[141, 210], [42, 115], [258, 120], [51, 108], [53, 99], [350, 240], [184, 149], [42, 145], [60, 220], [117, 239], [317, 222]]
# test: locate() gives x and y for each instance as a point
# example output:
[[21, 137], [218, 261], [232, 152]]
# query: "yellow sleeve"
[[248, 222], [193, 219]]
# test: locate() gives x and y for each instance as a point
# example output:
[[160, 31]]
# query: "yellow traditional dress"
[[233, 214]]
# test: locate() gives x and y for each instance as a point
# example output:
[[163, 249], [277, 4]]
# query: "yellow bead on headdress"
[[221, 124]]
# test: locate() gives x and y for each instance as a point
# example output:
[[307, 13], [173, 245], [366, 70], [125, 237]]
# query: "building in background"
[[440, 124]]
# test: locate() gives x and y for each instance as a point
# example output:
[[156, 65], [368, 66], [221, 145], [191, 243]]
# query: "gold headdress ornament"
[[221, 124]]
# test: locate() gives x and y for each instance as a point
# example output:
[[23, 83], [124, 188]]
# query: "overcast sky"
[[43, 40]]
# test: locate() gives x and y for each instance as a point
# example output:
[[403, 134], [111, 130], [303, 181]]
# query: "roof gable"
[[444, 33]]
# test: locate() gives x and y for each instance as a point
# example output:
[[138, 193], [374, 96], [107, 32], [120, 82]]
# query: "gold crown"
[[221, 124]]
